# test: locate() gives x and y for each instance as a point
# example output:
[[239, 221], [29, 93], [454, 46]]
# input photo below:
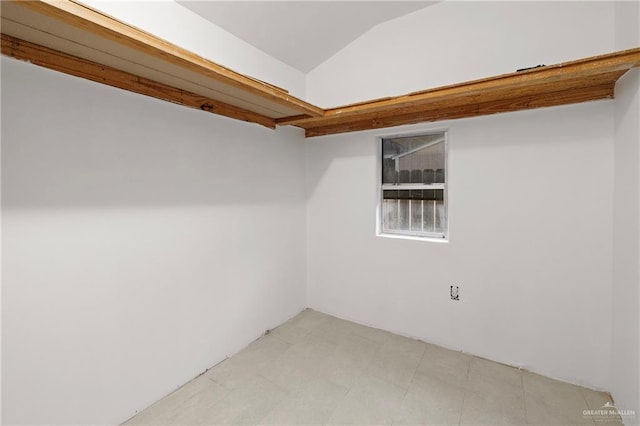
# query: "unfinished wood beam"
[[75, 14], [292, 119], [502, 86], [562, 97], [434, 107], [70, 37], [83, 68]]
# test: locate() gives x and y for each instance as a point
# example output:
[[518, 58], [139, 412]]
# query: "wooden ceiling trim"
[[567, 73], [89, 70], [92, 48], [70, 37], [80, 16], [562, 97], [98, 50], [472, 99], [293, 120]]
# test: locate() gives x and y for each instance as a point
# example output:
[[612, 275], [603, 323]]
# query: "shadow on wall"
[[626, 101], [326, 152], [70, 142]]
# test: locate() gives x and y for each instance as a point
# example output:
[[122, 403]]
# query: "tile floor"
[[316, 369]]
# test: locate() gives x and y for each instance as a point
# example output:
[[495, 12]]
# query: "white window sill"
[[413, 237]]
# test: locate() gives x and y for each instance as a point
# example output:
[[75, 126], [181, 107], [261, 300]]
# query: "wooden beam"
[[444, 104], [80, 16], [292, 120], [562, 97], [67, 36], [79, 67], [565, 74]]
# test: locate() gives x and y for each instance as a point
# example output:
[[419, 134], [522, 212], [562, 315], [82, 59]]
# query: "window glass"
[[414, 186]]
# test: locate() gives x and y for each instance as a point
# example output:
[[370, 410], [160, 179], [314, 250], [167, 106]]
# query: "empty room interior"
[[320, 213]]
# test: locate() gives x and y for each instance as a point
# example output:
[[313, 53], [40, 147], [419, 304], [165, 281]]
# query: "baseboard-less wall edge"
[[457, 349], [174, 390], [262, 334]]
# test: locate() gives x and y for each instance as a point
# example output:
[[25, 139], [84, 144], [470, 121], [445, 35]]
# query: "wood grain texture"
[[94, 22], [561, 73], [516, 97], [52, 29], [83, 68], [381, 120], [562, 84], [292, 119]]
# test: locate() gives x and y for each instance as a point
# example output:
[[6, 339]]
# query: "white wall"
[[530, 194], [625, 371], [143, 242], [452, 42], [182, 27], [530, 247]]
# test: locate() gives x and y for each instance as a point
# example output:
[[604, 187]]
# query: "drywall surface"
[[626, 246], [182, 27], [455, 41], [530, 241], [625, 371], [143, 242], [530, 194]]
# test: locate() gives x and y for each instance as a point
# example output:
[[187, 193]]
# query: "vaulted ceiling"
[[302, 34], [67, 36]]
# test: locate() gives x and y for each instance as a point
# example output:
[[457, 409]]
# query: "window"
[[414, 185]]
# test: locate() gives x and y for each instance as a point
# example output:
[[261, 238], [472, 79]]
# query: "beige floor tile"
[[247, 405], [602, 401], [438, 353], [349, 360], [307, 355], [220, 413], [371, 333], [290, 332], [343, 369], [500, 372], [551, 402], [316, 369], [336, 330], [240, 369], [494, 381], [339, 325], [297, 378], [481, 409], [395, 367], [334, 334], [491, 400], [395, 343], [204, 392], [542, 412], [199, 392], [263, 350], [430, 403], [311, 404], [161, 413], [357, 348], [595, 399], [310, 319], [447, 366], [371, 401], [348, 342], [233, 373]]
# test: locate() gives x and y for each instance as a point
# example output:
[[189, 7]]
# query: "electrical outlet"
[[455, 292]]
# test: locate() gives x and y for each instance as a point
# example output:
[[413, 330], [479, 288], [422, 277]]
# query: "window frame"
[[412, 235]]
